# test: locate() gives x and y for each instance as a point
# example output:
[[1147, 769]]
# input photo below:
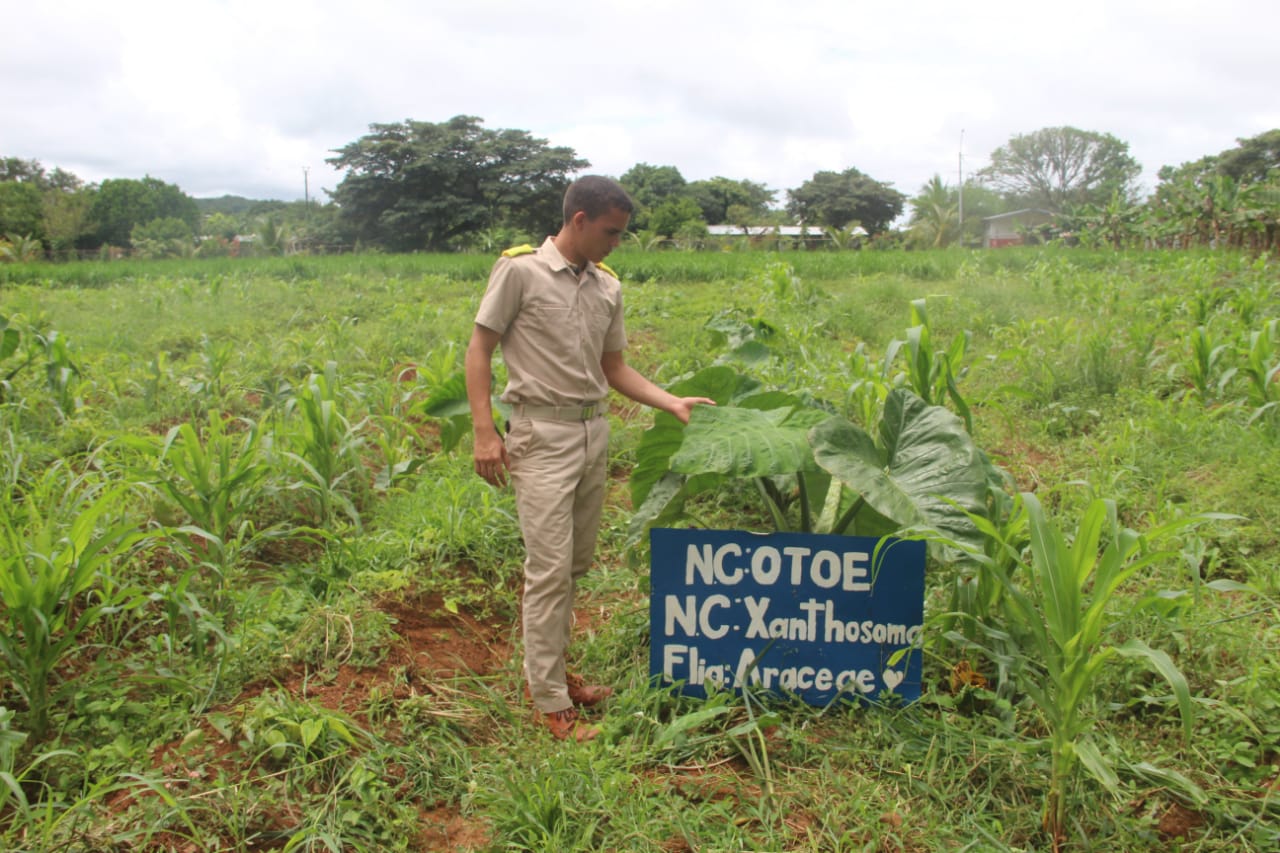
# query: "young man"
[[558, 318]]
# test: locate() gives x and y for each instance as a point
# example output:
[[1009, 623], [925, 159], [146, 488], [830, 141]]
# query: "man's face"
[[600, 236]]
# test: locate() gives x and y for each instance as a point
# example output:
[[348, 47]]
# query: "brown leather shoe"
[[585, 695], [566, 724], [580, 693]]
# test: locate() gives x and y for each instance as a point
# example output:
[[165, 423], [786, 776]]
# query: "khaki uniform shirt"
[[555, 326]]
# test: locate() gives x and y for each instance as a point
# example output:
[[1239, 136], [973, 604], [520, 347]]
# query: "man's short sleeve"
[[615, 337], [501, 300]]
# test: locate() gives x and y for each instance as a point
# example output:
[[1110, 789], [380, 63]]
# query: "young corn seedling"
[[327, 445], [931, 371], [1057, 611], [59, 549]]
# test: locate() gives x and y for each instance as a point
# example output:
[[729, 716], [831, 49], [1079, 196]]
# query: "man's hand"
[[683, 406], [490, 452], [491, 457]]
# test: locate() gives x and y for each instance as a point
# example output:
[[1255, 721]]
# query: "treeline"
[[457, 185], [1088, 181]]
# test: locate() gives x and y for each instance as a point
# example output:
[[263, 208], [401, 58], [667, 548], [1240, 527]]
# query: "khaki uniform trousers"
[[558, 471]]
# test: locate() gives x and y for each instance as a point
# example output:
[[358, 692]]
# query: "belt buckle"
[[588, 412]]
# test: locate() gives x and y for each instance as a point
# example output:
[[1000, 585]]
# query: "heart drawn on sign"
[[892, 678]]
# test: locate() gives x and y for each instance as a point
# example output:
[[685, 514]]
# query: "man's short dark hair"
[[595, 195]]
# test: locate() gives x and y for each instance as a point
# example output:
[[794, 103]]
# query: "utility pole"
[[306, 194]]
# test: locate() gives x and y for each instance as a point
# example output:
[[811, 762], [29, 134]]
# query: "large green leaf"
[[925, 472], [739, 442], [663, 439]]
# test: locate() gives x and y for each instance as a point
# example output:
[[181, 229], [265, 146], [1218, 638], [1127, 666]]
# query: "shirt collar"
[[557, 261]]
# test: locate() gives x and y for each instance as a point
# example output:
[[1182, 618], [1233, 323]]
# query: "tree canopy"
[[716, 195], [416, 185], [839, 199], [1253, 160], [122, 203], [650, 187], [1056, 168]]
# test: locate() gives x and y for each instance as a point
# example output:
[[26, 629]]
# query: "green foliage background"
[[1145, 379]]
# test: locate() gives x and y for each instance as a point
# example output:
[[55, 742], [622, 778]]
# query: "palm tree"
[[20, 248], [935, 220]]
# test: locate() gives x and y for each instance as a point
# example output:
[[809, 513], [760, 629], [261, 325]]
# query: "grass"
[[350, 682]]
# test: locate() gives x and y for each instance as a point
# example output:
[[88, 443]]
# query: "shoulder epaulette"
[[517, 251], [608, 270]]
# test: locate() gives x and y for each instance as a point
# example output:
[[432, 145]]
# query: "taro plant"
[[447, 403], [814, 471], [1057, 613], [60, 547]]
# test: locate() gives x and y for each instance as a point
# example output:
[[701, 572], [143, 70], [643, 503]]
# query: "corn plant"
[[10, 340], [326, 444], [214, 480], [392, 434], [61, 373], [211, 486], [930, 371], [25, 816], [1207, 364], [58, 579], [1057, 613], [1260, 364], [215, 356]]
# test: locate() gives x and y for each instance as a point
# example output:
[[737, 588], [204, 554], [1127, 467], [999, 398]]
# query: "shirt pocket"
[[598, 326]]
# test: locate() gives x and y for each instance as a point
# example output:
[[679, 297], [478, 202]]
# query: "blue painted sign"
[[818, 616]]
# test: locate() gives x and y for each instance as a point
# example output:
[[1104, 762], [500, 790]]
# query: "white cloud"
[[234, 96]]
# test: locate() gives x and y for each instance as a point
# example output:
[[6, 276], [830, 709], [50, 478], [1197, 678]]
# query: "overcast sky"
[[249, 97]]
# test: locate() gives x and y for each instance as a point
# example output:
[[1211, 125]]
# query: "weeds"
[[1061, 373]]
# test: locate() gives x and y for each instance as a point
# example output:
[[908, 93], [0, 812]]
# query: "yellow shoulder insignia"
[[517, 251], [608, 270]]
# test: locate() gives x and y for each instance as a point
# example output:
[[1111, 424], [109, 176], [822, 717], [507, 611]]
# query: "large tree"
[[21, 213], [839, 199], [420, 185], [1253, 160], [1056, 168], [122, 203], [716, 195], [650, 187], [49, 206]]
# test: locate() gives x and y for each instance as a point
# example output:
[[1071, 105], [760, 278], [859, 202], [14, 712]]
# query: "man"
[[558, 316]]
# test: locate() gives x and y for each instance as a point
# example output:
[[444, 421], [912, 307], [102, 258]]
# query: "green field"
[[253, 597]]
